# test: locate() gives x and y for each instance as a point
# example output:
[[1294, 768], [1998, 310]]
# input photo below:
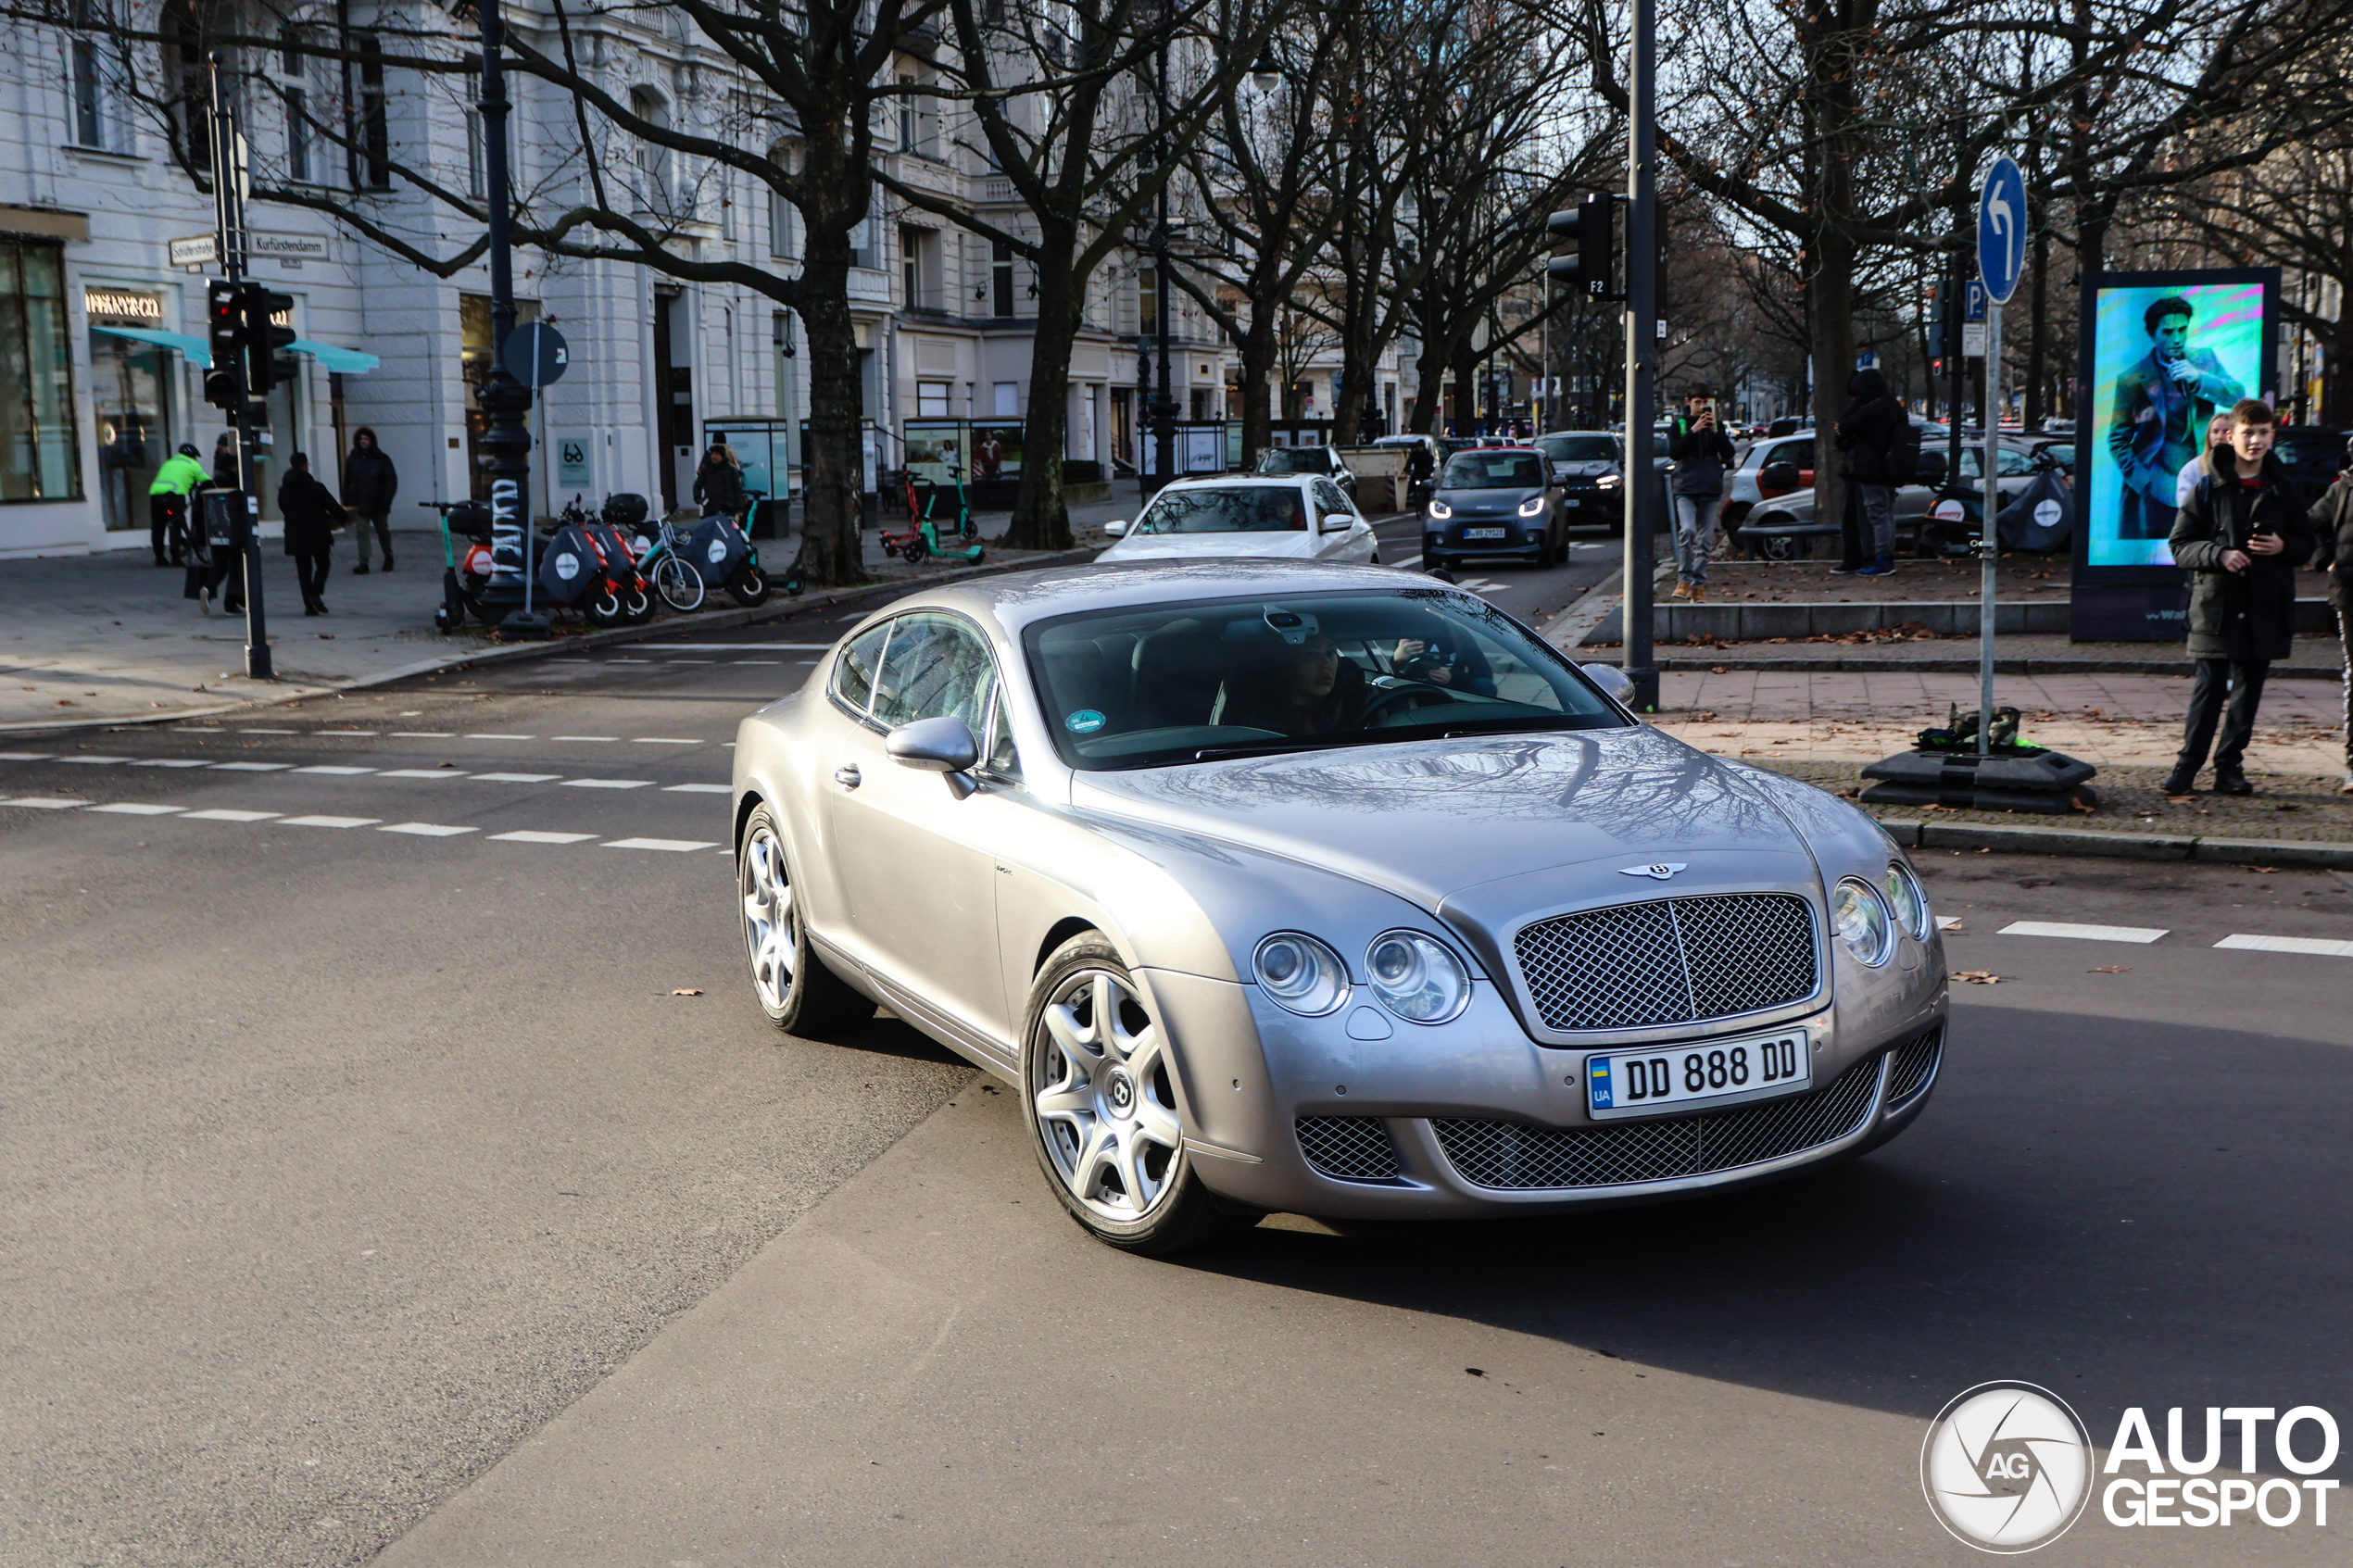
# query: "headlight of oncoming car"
[[1532, 505], [1910, 904], [1440, 510], [1860, 917], [1301, 974], [1416, 978], [1608, 482]]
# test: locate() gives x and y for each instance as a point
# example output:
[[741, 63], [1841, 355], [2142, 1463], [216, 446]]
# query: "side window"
[[854, 676], [1331, 498], [936, 667], [1002, 761]]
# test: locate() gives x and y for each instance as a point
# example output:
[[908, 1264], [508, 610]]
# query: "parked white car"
[[1271, 517]]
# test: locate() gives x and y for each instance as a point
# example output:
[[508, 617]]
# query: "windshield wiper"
[[1299, 742]]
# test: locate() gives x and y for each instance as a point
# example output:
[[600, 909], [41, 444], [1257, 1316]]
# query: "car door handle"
[[848, 777]]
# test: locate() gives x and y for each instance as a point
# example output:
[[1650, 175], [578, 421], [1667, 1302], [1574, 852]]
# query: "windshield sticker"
[[1086, 722]]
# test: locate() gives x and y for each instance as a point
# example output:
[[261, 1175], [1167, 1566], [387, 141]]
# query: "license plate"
[[1483, 533], [1634, 1082]]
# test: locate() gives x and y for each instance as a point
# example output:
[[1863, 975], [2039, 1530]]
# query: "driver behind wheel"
[[1292, 688], [1444, 661]]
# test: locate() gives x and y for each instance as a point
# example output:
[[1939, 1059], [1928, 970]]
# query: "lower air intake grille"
[[1508, 1155], [1351, 1148], [1914, 1065]]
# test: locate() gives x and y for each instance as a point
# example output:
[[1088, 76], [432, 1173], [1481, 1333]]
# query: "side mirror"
[[936, 746], [1780, 476], [1116, 527], [1611, 679]]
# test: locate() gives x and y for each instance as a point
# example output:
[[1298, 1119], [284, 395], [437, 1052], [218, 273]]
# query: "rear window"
[[1578, 448], [1256, 509], [1294, 459], [1492, 470]]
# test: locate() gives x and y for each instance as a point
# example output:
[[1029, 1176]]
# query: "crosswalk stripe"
[[336, 769], [679, 845], [2318, 946], [663, 740], [698, 789], [94, 760], [223, 814], [501, 737], [515, 778], [331, 822], [26, 756], [424, 774], [45, 802], [138, 808], [608, 784], [598, 739], [251, 767], [527, 835], [188, 763], [423, 830], [2081, 933]]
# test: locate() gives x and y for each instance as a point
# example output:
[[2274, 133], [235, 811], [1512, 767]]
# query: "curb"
[[2317, 855], [775, 610], [1572, 625], [1868, 664]]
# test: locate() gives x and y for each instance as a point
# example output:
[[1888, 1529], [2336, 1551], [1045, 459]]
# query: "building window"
[[89, 89], [931, 399], [1147, 303], [1000, 271], [476, 184], [194, 106], [376, 128], [297, 136], [919, 268], [906, 112], [40, 457], [653, 160]]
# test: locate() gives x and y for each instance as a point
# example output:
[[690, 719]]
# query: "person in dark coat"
[[2239, 537], [1702, 453], [719, 483], [2331, 517], [1866, 433], [369, 485], [310, 515]]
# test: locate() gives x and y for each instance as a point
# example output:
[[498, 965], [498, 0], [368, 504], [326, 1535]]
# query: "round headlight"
[[1440, 510], [1904, 895], [1301, 974], [1861, 920], [1416, 978]]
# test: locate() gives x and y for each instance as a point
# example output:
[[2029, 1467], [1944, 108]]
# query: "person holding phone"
[[2239, 536], [1702, 453]]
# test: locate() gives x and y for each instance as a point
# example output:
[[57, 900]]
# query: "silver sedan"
[[1287, 887]]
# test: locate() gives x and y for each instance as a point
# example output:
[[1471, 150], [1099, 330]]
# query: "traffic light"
[[264, 337], [224, 332], [1588, 228]]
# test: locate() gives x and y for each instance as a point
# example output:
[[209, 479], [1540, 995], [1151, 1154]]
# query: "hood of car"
[[1591, 468], [1491, 825], [1487, 503], [1290, 544]]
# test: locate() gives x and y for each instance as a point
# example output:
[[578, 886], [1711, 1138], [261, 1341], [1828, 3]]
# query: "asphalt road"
[[1531, 595], [372, 1188]]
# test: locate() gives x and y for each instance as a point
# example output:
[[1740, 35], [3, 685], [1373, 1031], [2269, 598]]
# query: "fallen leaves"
[[685, 991], [1976, 977], [2111, 969]]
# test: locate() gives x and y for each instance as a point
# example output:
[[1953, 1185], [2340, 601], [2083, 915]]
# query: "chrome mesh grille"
[[1914, 1065], [1670, 961], [1352, 1148], [1508, 1155]]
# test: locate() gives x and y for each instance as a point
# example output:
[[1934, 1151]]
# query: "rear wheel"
[[749, 586], [794, 987], [1099, 1099], [678, 585], [602, 608]]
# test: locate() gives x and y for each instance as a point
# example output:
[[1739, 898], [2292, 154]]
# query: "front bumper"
[[1522, 537], [1473, 1117]]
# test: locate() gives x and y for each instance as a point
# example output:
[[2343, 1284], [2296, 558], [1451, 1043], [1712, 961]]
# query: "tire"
[[791, 984], [637, 607], [749, 585], [602, 608], [1097, 1097], [678, 585]]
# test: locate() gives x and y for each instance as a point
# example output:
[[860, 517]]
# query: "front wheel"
[[794, 987], [749, 586], [1099, 1097], [680, 588], [637, 606], [602, 608]]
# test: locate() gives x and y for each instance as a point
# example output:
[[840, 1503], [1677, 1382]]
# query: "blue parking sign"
[[2001, 229]]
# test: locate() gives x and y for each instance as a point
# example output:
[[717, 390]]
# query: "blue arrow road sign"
[[2001, 229]]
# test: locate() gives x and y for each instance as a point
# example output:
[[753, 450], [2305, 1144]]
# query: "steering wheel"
[[1418, 695]]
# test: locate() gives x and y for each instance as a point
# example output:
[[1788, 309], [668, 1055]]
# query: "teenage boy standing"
[[1702, 452], [2239, 536]]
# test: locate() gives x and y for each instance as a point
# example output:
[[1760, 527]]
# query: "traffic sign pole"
[[2001, 247]]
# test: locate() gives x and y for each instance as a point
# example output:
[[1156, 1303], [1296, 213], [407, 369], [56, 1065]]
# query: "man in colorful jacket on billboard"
[[2162, 401]]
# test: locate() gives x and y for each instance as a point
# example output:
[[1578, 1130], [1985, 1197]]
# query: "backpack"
[[1904, 454]]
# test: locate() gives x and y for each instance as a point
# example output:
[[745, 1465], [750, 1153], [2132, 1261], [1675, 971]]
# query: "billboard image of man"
[[2162, 401]]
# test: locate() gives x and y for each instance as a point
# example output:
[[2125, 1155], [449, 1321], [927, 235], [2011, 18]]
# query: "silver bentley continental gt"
[[1318, 888]]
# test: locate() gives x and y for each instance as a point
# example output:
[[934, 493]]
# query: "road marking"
[[45, 802], [502, 737], [424, 830], [346, 732], [698, 789], [2319, 947], [424, 774], [738, 647], [26, 756], [600, 739], [606, 783], [138, 808], [424, 734], [250, 730], [334, 768], [331, 822], [677, 845], [516, 778], [1948, 923], [530, 836], [757, 662], [1407, 565], [172, 763], [93, 760], [628, 661], [663, 740], [252, 766], [221, 814], [675, 659], [2080, 933], [197, 730]]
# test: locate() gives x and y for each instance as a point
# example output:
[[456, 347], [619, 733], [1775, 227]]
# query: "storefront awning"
[[197, 352]]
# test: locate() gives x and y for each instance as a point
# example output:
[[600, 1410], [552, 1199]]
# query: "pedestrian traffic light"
[[263, 336], [225, 334], [1587, 269]]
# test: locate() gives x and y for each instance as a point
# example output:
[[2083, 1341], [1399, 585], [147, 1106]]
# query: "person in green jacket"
[[168, 502]]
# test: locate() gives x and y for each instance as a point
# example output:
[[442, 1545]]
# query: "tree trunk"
[[1832, 291], [1257, 351], [2038, 330], [1465, 391], [1041, 519], [833, 552], [2336, 383]]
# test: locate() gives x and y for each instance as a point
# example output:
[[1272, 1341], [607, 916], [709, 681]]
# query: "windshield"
[[1578, 448], [1192, 682], [1492, 470], [1256, 509], [1294, 459]]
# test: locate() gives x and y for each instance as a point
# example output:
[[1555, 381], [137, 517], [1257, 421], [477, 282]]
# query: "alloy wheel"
[[1104, 1097], [768, 923]]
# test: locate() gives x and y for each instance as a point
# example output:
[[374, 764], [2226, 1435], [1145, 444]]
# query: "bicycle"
[[679, 585]]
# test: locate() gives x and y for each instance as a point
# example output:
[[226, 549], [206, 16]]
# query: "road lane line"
[[529, 836], [45, 802], [423, 830], [733, 648], [252, 766], [480, 736], [346, 732], [600, 739], [250, 730], [172, 763], [221, 814], [94, 760], [424, 734], [2080, 933], [331, 822], [662, 740], [516, 778], [2318, 946], [606, 783], [26, 756], [336, 768], [678, 846], [138, 808], [698, 789], [424, 774]]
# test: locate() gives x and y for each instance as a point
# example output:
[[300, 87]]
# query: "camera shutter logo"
[[2006, 1467]]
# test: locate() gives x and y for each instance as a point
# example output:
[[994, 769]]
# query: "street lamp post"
[[1642, 354], [506, 444]]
